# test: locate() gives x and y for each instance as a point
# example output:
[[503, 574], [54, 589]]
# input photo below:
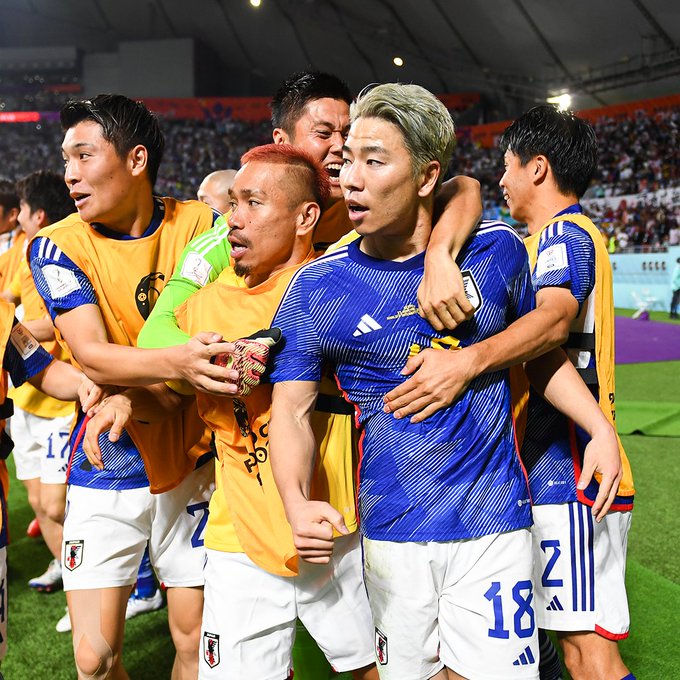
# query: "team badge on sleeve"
[[196, 268], [211, 649], [552, 259], [60, 280], [472, 290], [380, 647], [73, 554], [23, 341]]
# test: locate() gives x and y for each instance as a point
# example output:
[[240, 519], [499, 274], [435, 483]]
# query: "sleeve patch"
[[552, 259], [23, 341], [60, 280], [196, 268], [472, 292]]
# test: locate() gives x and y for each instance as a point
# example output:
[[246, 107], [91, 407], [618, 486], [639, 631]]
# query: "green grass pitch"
[[37, 651]]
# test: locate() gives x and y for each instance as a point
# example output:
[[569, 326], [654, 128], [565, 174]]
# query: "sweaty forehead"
[[85, 133]]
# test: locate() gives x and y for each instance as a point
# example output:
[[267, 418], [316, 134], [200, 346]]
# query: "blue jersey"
[[24, 355], [457, 474], [566, 258], [24, 358], [64, 286]]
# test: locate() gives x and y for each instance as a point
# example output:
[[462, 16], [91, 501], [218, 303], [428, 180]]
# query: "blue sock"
[[146, 584], [549, 666]]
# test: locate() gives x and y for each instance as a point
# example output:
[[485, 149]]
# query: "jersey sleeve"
[[24, 356], [566, 259], [59, 281], [200, 263], [300, 357]]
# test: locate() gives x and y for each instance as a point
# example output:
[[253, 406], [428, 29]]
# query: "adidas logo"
[[367, 325], [555, 605], [526, 658]]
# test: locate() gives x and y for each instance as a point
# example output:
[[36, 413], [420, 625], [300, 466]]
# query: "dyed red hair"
[[309, 171]]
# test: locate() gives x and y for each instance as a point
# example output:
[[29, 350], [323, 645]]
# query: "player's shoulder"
[[494, 236], [564, 230], [68, 223], [191, 207], [496, 230]]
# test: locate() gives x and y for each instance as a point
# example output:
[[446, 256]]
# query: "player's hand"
[[438, 378], [312, 523], [90, 394], [112, 414], [602, 456], [249, 358], [195, 366], [441, 294]]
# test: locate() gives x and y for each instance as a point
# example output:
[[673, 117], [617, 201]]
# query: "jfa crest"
[[380, 647], [73, 554], [472, 290], [211, 649]]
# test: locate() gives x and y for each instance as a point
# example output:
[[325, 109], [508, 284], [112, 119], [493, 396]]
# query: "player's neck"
[[135, 220], [545, 207], [401, 241]]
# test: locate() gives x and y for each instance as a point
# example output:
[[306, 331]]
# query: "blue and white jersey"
[[24, 355], [566, 258], [456, 475], [69, 288]]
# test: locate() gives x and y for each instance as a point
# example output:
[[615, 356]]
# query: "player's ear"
[[138, 158], [541, 168], [281, 136], [428, 179], [308, 216]]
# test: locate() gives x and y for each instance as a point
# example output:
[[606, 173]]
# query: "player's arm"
[[200, 263], [554, 377], [292, 448], [107, 363], [148, 404], [13, 292], [437, 381], [41, 329], [441, 294]]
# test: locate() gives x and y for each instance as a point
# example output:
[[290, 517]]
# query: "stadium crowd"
[[639, 158], [162, 315]]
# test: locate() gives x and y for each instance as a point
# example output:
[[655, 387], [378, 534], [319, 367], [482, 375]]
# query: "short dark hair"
[[568, 142], [46, 190], [8, 195], [292, 97], [124, 122]]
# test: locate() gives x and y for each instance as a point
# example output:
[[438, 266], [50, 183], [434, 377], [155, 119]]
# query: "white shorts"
[[106, 532], [466, 605], [40, 446], [580, 570], [249, 615], [3, 602]]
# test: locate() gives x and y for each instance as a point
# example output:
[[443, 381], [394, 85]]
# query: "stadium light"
[[255, 3], [398, 61], [562, 101]]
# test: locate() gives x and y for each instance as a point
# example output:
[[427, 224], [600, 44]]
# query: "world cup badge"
[[73, 554], [211, 649]]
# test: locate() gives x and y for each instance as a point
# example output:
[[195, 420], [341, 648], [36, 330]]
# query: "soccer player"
[[550, 157], [41, 424], [12, 239], [23, 359], [214, 189], [311, 111], [99, 272], [248, 632], [444, 506]]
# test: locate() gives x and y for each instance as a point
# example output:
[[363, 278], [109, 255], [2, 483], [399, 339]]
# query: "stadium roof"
[[513, 51]]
